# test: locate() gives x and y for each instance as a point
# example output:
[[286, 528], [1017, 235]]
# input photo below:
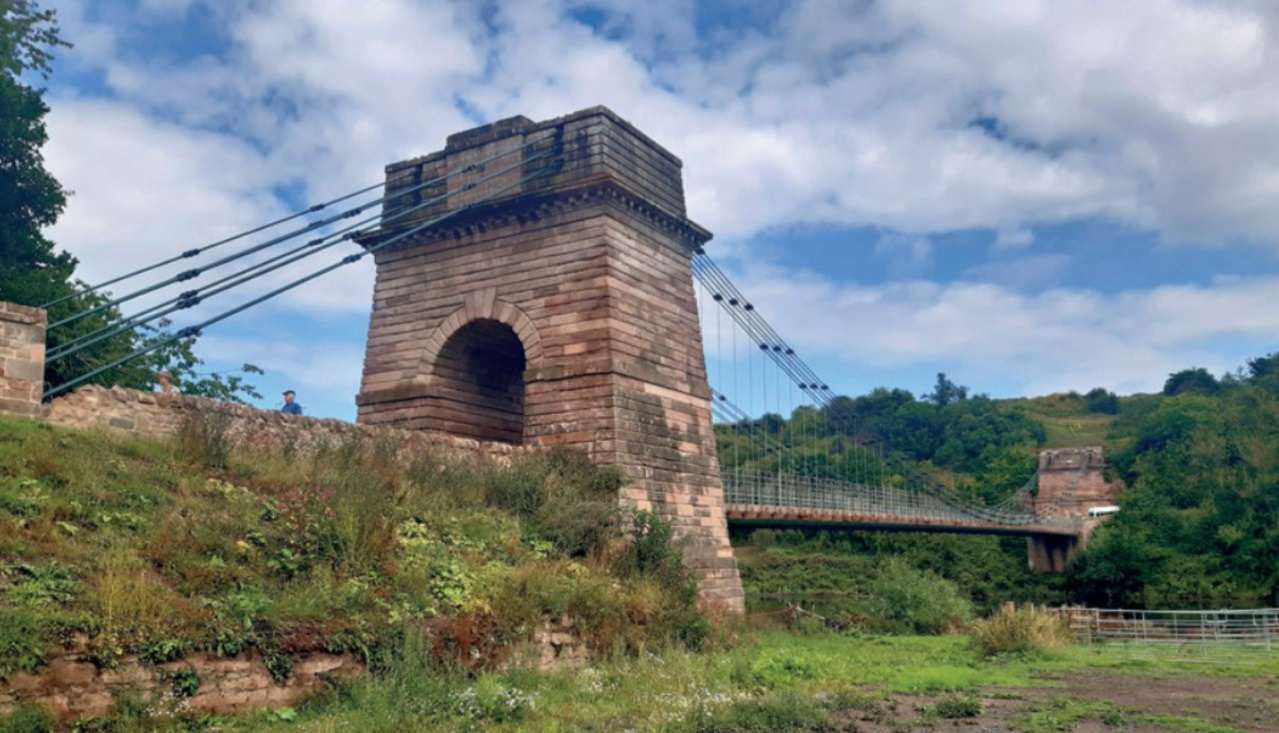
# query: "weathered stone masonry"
[[562, 313], [22, 331], [1071, 480]]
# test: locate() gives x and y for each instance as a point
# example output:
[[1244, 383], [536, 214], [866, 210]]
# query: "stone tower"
[[1071, 481], [559, 312]]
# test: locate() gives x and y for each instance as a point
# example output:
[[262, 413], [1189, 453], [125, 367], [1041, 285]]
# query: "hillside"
[[163, 550], [1200, 463]]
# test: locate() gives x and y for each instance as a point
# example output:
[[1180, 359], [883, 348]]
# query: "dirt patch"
[[1085, 702]]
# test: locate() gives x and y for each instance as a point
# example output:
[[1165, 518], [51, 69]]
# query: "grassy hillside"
[[1199, 463], [163, 549]]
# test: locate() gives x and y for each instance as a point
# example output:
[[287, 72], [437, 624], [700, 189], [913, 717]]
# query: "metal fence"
[[1220, 637]]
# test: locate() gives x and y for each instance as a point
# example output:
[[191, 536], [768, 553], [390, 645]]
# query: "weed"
[[185, 682], [280, 666], [767, 714], [954, 708], [203, 438], [28, 718], [1012, 630]]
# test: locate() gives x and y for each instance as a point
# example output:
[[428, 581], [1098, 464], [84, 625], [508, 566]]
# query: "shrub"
[[1019, 630], [904, 599]]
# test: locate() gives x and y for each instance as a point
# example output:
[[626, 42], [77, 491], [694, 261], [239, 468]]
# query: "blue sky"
[[1030, 195]]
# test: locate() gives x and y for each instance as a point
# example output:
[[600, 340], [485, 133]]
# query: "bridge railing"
[[812, 492]]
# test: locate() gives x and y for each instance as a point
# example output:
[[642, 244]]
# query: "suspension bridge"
[[541, 283]]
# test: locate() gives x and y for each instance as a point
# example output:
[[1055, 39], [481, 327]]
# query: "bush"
[[904, 599], [1019, 630], [1102, 401]]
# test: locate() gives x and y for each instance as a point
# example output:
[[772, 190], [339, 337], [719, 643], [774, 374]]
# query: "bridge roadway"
[[789, 500]]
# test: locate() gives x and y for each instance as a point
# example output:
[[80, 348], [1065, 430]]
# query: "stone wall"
[[156, 415], [74, 688], [22, 331]]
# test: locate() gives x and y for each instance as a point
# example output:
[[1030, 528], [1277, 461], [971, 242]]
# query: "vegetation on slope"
[[1200, 463], [160, 550]]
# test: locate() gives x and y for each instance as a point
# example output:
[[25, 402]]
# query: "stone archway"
[[477, 380], [473, 366]]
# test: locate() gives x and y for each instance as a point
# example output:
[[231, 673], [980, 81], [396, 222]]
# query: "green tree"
[[1263, 366], [30, 197], [1196, 380], [946, 392], [31, 200], [1101, 400]]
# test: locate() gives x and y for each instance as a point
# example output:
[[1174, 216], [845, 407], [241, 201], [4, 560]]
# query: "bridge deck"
[[781, 499], [784, 516]]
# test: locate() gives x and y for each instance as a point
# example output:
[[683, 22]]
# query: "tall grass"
[[201, 545], [1020, 629]]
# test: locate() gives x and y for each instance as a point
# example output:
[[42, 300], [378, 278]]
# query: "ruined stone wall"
[[155, 415], [74, 688], [22, 331]]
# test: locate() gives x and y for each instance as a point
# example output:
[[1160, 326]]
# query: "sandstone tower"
[[559, 313]]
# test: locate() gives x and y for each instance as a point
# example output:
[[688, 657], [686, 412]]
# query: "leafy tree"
[[946, 392], [1263, 366], [1101, 400], [914, 430], [975, 432], [31, 200], [1115, 570], [1196, 380]]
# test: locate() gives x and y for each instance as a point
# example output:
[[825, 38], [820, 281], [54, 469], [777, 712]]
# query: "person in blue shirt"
[[290, 406]]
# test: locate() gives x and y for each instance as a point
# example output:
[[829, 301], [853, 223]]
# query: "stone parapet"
[[22, 332], [156, 415]]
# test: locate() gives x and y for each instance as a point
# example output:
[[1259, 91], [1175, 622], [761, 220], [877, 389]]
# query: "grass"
[[1075, 431], [165, 549], [773, 680], [162, 550]]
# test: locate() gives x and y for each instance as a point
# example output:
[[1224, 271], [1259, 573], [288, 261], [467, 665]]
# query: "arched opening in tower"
[[479, 378]]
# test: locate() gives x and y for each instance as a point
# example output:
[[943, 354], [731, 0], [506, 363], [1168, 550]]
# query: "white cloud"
[[1031, 271], [911, 116], [908, 254], [1047, 341], [1162, 114], [1013, 239]]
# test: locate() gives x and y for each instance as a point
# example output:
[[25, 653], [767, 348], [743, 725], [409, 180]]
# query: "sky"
[[1032, 196]]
